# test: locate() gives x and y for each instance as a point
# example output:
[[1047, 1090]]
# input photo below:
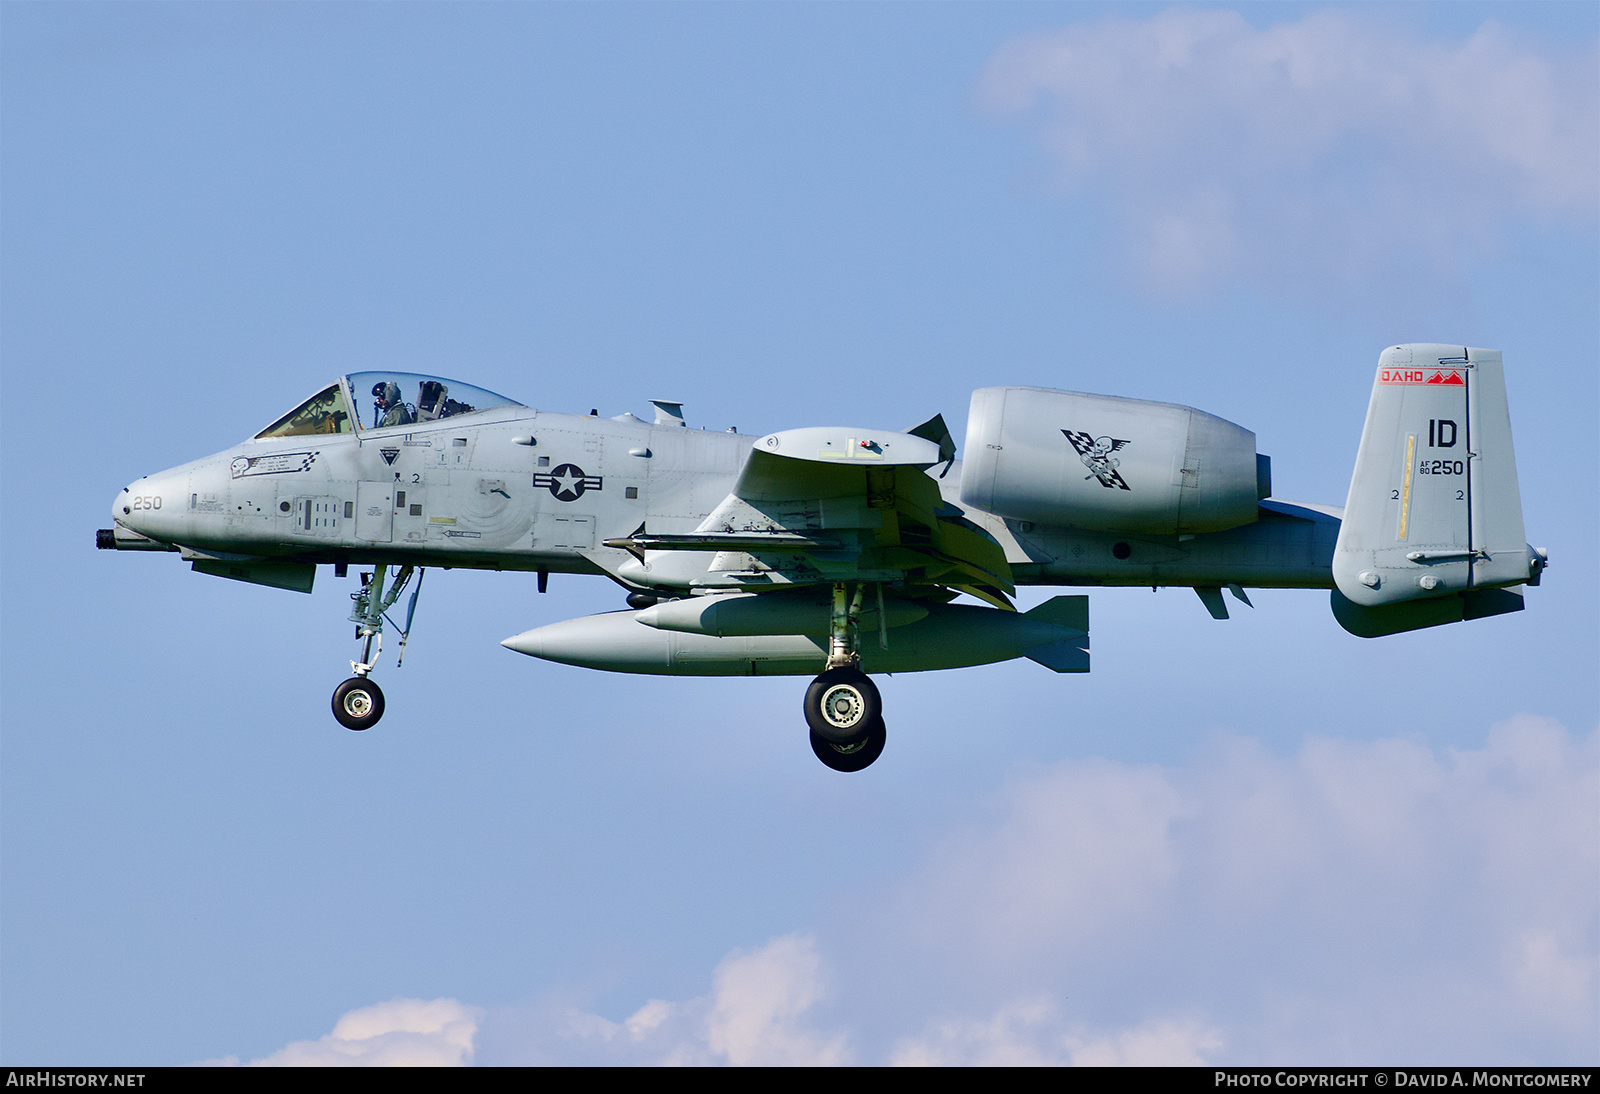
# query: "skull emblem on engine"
[[1097, 455]]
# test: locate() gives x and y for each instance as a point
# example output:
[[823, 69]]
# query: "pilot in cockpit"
[[433, 402], [388, 407]]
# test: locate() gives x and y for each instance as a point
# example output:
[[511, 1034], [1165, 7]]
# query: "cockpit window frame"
[[350, 422], [355, 399]]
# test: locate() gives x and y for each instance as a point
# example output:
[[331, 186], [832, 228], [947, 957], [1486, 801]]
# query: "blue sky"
[[1253, 841]]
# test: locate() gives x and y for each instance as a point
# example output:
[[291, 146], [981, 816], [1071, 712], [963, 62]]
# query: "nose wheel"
[[358, 703]]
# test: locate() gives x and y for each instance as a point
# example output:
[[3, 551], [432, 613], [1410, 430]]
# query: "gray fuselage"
[[513, 488]]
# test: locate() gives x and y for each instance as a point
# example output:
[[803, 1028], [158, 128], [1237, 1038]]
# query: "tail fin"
[[1432, 530]]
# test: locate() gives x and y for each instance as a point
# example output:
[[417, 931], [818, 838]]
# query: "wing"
[[828, 504]]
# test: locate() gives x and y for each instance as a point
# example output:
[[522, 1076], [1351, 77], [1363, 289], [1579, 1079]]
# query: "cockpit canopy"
[[405, 398], [398, 398], [325, 412]]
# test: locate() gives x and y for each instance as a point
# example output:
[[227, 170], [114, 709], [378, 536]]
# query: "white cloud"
[[758, 1001], [399, 1033], [1079, 850], [1154, 1044], [1336, 147], [1346, 903], [1029, 1033], [755, 1015], [1353, 902]]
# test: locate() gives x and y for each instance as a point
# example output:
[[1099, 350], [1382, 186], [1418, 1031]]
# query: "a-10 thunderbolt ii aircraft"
[[840, 551]]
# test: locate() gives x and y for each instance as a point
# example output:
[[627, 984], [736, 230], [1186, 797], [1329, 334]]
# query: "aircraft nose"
[[153, 505], [122, 506]]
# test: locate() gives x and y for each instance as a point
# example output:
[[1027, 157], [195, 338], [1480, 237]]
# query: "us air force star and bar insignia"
[[1096, 453], [567, 482]]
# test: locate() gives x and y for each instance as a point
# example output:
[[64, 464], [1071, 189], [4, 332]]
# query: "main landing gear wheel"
[[842, 704], [358, 703], [852, 757]]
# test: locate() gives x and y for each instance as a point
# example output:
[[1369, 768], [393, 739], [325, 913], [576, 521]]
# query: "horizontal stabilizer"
[[1416, 615]]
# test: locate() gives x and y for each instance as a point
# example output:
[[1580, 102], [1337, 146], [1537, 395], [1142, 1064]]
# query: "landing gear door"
[[375, 512]]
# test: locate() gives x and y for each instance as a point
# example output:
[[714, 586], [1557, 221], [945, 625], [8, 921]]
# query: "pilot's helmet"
[[387, 394]]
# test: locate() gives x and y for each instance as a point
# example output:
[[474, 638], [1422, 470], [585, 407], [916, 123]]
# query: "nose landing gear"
[[358, 702]]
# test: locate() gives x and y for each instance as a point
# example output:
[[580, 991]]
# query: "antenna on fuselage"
[[668, 412]]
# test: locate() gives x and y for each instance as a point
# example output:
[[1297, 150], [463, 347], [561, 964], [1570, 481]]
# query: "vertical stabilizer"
[[1434, 513]]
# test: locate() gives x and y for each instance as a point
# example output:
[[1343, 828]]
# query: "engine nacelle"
[[1096, 461]]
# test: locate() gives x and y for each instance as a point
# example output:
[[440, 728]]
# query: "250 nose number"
[[147, 501]]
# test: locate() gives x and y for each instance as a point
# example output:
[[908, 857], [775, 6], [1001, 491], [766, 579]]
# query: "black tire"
[[852, 757], [358, 703], [842, 704]]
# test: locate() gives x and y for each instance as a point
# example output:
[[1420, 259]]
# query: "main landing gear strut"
[[358, 702], [843, 708]]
